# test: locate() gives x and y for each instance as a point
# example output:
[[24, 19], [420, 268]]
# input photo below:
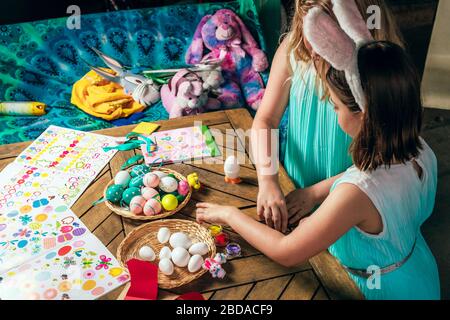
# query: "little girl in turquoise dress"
[[371, 216]]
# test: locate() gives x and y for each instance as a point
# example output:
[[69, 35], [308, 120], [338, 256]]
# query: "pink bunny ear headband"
[[339, 44]]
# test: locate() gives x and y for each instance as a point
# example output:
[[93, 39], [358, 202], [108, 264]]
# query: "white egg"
[[180, 239], [195, 263], [168, 184], [231, 167], [180, 257], [122, 178], [165, 253], [147, 253], [166, 266], [163, 235], [160, 174], [200, 248]]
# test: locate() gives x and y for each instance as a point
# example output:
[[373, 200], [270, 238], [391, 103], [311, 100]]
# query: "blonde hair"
[[296, 44]]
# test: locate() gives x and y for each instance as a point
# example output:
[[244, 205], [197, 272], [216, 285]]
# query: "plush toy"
[[229, 40], [187, 93], [143, 90]]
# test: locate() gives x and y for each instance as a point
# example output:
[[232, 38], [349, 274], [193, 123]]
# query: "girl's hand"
[[272, 206], [300, 202], [214, 213]]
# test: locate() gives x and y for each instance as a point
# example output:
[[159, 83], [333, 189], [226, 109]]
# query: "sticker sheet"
[[181, 145], [46, 252]]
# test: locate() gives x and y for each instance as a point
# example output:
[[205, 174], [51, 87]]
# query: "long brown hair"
[[392, 122], [388, 31]]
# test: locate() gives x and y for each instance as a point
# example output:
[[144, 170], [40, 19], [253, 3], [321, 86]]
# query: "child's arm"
[[346, 207], [271, 203]]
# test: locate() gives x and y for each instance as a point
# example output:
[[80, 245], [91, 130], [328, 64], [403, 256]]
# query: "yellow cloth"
[[102, 98]]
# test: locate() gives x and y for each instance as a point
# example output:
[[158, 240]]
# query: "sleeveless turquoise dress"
[[316, 147], [404, 201]]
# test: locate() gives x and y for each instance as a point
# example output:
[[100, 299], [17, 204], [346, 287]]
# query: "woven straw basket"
[[164, 214], [147, 235]]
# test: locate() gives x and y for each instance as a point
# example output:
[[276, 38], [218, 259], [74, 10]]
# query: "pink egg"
[[137, 204], [151, 180], [183, 187], [152, 207], [149, 193]]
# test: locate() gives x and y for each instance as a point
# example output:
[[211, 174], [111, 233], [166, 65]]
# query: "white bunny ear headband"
[[339, 44]]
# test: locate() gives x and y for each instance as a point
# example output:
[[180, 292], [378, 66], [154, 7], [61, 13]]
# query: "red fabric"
[[144, 282]]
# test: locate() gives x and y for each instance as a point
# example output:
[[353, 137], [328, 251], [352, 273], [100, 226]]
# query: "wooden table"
[[252, 276]]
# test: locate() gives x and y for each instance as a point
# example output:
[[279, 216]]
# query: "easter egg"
[[169, 202], [79, 231], [150, 193], [180, 239], [160, 174], [151, 180], [146, 253], [139, 170], [183, 187], [137, 204], [166, 266], [122, 178], [168, 184], [136, 182], [152, 207], [129, 194], [200, 248], [180, 257], [165, 253], [195, 263], [114, 193], [180, 198], [163, 235]]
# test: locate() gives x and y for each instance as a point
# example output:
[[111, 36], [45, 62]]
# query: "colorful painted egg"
[[151, 180], [79, 232], [183, 188], [65, 229], [129, 194], [166, 266], [160, 174], [168, 184], [165, 253], [152, 207], [114, 193], [136, 182], [180, 239], [137, 204], [195, 263], [169, 202], [180, 198], [139, 170], [150, 193], [180, 257], [122, 178], [163, 235], [146, 253]]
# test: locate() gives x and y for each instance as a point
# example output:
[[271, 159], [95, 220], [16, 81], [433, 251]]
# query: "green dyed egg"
[[139, 170], [136, 182], [114, 193], [180, 198], [172, 175], [129, 194]]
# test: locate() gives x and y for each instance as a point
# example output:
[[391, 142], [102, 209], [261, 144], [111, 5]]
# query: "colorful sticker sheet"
[[61, 162], [181, 145], [46, 252]]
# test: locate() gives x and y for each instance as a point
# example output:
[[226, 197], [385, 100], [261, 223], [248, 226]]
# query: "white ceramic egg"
[[166, 266], [163, 235], [231, 167], [122, 178], [195, 263], [180, 257], [147, 253], [165, 253], [168, 184], [180, 239], [200, 248]]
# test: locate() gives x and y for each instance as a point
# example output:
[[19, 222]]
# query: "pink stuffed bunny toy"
[[185, 95], [229, 41]]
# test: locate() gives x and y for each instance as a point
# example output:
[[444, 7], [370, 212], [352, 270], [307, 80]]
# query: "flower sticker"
[[26, 219], [22, 233]]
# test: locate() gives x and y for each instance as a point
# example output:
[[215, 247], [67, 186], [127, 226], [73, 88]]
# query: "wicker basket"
[[164, 214], [147, 235]]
